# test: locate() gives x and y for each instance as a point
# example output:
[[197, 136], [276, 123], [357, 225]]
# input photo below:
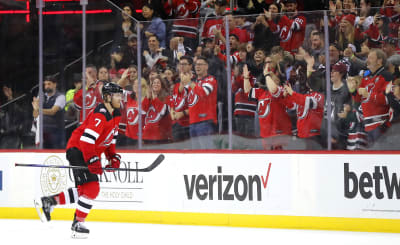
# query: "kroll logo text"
[[379, 182], [223, 187]]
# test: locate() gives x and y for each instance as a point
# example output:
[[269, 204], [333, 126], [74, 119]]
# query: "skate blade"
[[38, 207], [79, 235]]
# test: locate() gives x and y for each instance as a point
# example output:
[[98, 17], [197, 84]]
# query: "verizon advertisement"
[[331, 185]]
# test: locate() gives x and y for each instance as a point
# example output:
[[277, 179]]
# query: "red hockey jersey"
[[202, 100], [131, 110], [375, 38], [310, 111], [158, 121], [97, 134], [210, 25], [291, 31], [375, 107], [179, 104], [271, 109], [186, 14], [93, 98]]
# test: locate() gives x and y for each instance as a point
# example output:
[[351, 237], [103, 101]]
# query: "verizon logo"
[[379, 183], [226, 187]]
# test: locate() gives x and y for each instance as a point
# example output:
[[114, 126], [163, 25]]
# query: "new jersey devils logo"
[[153, 116], [90, 100], [183, 12], [132, 116], [192, 98], [108, 140], [263, 107]]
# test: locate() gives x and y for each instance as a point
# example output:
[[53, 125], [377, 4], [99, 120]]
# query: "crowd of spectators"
[[277, 58]]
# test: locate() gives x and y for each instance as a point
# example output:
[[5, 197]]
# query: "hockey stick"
[[152, 166]]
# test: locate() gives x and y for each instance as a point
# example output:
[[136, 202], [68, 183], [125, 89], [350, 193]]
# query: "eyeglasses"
[[183, 64]]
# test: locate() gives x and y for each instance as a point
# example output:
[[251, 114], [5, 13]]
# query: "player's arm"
[[87, 141]]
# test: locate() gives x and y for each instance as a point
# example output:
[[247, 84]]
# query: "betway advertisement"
[[326, 185]]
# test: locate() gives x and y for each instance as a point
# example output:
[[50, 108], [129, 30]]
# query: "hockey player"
[[95, 136]]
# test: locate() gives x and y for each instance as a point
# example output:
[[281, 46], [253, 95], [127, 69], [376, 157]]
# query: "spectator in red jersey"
[[202, 102], [310, 111], [214, 21], [179, 106], [220, 39], [371, 94], [130, 107], [93, 93], [157, 126], [291, 26], [275, 123], [377, 32], [185, 13], [234, 50], [244, 110]]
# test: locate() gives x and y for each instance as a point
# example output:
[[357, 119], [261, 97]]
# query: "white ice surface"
[[58, 233]]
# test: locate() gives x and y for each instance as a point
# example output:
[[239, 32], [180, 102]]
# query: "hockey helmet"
[[111, 88]]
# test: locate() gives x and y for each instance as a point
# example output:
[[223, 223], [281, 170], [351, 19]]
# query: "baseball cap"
[[340, 67]]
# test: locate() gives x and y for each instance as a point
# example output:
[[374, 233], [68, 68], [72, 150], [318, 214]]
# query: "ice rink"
[[58, 232]]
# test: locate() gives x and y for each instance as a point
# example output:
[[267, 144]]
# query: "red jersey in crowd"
[[157, 124], [271, 109], [375, 38], [97, 134], [131, 111], [375, 107], [234, 58], [243, 106], [179, 104], [186, 14], [310, 111], [210, 25], [202, 100], [93, 98], [291, 31]]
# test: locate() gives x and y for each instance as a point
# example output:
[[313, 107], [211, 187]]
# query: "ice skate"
[[79, 230], [44, 206]]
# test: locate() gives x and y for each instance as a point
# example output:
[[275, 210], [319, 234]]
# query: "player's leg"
[[87, 193], [45, 205], [87, 190]]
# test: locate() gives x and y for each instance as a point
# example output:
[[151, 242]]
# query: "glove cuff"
[[117, 156], [93, 159]]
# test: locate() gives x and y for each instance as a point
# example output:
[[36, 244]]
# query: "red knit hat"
[[350, 18]]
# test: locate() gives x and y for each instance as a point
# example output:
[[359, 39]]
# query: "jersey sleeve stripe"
[[87, 140], [91, 132]]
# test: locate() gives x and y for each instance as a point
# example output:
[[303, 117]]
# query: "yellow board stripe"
[[217, 219]]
